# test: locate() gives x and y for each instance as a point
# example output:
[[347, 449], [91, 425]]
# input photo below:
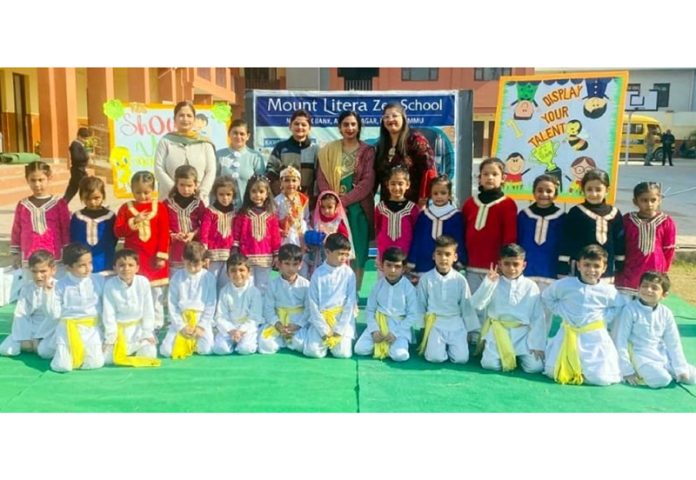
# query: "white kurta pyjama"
[[331, 287], [125, 303], [657, 355], [33, 320], [448, 297], [580, 304], [281, 293], [79, 298], [399, 303], [239, 308], [513, 300], [191, 292]]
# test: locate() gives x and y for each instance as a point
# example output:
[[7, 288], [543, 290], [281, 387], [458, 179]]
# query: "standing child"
[[329, 217], [395, 218], [650, 238], [515, 325], [440, 217], [444, 296], [192, 298], [582, 351], [239, 311], [648, 340], [185, 211], [490, 220], [216, 227], [145, 226], [284, 309], [392, 309], [128, 315], [94, 225], [332, 303], [33, 324], [593, 222], [41, 221], [255, 230], [78, 308], [291, 205], [539, 229]]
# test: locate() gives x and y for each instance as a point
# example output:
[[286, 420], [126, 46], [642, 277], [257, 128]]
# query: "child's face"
[[82, 268], [142, 192], [186, 187], [328, 206], [193, 266], [595, 192], [42, 273], [445, 257], [398, 185], [349, 128], [238, 137], [651, 292], [648, 203], [290, 185], [289, 268], [591, 270], [38, 181], [183, 121], [393, 120], [490, 177], [392, 270], [224, 195], [440, 194], [126, 269], [544, 194], [258, 194], [300, 129], [93, 200], [512, 267], [239, 275], [336, 258]]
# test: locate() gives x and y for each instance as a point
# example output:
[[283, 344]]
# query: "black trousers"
[[76, 174], [667, 153]]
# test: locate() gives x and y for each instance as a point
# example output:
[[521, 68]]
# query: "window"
[[419, 74], [485, 74], [634, 87], [662, 94]]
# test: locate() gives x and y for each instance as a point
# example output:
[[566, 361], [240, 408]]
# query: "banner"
[[561, 125], [135, 130], [433, 113]]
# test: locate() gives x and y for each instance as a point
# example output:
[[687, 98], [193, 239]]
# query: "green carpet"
[[289, 382]]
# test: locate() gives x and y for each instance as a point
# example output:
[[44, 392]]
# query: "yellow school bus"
[[641, 127]]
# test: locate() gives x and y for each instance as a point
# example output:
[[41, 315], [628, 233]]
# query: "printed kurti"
[[540, 236], [98, 235], [183, 220], [488, 226], [46, 227], [257, 236], [431, 223], [395, 229]]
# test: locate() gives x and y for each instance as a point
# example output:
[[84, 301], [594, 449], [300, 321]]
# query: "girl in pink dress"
[[41, 221], [650, 238], [216, 228], [329, 217], [256, 231]]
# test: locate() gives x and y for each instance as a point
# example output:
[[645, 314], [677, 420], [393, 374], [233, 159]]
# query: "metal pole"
[[628, 137]]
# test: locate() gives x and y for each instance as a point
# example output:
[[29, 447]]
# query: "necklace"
[[391, 152]]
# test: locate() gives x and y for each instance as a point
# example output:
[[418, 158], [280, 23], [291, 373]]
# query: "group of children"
[[217, 262]]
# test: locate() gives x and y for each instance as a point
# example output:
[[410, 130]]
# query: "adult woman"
[[239, 161], [397, 145], [346, 166], [184, 147]]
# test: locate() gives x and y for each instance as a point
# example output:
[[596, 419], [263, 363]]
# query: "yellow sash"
[[185, 347], [568, 369], [75, 345], [429, 322], [503, 342], [284, 317], [381, 348], [121, 350], [329, 315]]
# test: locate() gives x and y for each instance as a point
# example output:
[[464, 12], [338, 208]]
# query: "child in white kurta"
[[515, 326], [332, 302], [582, 350], [648, 340], [78, 308], [284, 307], [239, 310], [192, 298], [128, 315], [444, 296], [392, 309]]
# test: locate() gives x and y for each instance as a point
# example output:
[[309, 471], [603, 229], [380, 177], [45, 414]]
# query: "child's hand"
[[281, 328], [631, 379], [188, 331], [159, 263], [236, 335], [16, 260], [292, 328], [377, 336], [139, 217], [493, 274], [538, 354], [390, 338], [187, 237], [50, 283], [682, 377], [198, 331], [151, 340]]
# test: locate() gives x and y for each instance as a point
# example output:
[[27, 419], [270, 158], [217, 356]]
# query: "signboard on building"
[[561, 125]]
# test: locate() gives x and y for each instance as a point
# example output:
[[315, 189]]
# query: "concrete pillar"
[[100, 88], [58, 110], [167, 84], [139, 85], [48, 117]]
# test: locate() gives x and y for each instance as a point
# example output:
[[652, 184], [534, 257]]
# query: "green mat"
[[289, 382]]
